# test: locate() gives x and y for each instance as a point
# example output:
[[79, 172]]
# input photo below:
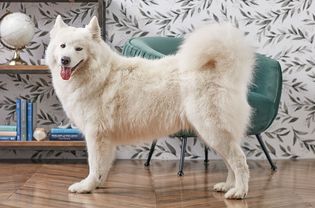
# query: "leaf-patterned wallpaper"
[[281, 29]]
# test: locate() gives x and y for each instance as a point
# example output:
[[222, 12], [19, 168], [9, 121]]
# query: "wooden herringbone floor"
[[130, 184]]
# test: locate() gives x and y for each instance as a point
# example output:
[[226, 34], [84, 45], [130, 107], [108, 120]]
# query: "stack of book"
[[7, 133], [26, 119], [62, 134]]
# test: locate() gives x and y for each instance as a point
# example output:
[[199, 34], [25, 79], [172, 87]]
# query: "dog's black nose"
[[65, 60]]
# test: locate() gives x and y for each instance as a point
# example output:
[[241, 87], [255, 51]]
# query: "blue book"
[[66, 137], [18, 119], [7, 138], [23, 120], [64, 131], [7, 128], [31, 120]]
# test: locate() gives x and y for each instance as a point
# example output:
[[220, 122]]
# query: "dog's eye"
[[78, 49], [63, 45]]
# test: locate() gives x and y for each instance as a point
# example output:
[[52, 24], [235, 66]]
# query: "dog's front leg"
[[101, 153]]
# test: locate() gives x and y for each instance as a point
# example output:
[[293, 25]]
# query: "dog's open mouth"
[[66, 71]]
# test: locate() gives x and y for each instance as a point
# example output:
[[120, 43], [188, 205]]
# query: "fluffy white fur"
[[118, 100]]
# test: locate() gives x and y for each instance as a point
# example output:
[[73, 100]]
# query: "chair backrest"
[[265, 93], [152, 47], [267, 78]]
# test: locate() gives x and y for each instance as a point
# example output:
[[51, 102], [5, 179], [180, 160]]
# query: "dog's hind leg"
[[236, 158], [226, 145], [101, 153], [230, 180]]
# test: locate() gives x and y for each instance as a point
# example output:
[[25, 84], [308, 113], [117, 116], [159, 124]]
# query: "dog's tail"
[[216, 46]]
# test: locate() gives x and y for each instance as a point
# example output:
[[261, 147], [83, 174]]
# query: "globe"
[[16, 30]]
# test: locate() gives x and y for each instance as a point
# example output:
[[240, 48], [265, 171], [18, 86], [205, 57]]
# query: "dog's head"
[[70, 48]]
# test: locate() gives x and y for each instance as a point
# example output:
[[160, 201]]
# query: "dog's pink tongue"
[[65, 72]]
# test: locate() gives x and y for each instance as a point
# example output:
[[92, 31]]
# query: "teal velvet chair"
[[264, 94]]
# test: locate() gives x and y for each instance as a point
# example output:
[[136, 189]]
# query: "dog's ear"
[[59, 23], [94, 28]]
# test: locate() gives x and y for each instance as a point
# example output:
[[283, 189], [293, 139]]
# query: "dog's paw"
[[222, 187], [236, 193], [83, 186]]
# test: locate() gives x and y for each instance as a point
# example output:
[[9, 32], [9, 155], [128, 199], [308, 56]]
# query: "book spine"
[[18, 119], [7, 128], [8, 133], [66, 137], [7, 138], [23, 120], [34, 117], [64, 131], [29, 121]]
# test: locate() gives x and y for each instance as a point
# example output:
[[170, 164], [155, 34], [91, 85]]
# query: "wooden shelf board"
[[38, 69], [23, 67], [43, 144], [34, 69]]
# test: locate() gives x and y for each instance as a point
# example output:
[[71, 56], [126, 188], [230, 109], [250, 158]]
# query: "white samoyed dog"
[[118, 100]]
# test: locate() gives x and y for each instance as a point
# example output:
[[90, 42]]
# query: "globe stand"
[[16, 60]]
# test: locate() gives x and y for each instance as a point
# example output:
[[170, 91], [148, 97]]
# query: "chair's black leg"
[[147, 163], [182, 157], [273, 166], [206, 156]]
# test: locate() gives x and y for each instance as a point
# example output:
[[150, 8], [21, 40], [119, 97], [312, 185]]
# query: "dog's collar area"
[[66, 71]]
